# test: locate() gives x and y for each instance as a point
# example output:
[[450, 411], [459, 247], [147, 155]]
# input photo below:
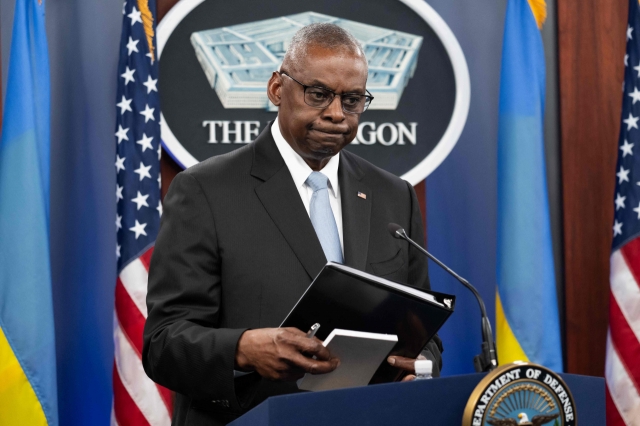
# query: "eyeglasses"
[[319, 97]]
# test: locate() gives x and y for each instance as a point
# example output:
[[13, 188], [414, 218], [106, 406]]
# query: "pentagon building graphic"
[[238, 60]]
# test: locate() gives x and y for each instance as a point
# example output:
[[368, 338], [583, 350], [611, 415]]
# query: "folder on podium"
[[341, 297], [438, 402]]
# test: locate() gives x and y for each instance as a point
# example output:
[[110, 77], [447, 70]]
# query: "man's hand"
[[407, 364], [283, 354]]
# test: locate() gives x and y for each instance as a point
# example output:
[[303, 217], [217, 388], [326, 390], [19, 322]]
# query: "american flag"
[[622, 370], [136, 399]]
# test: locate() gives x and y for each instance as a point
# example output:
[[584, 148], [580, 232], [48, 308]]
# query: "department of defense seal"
[[520, 394]]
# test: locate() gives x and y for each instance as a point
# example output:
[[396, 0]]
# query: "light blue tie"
[[322, 217]]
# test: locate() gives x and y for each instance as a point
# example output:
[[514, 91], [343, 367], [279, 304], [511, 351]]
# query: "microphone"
[[487, 360]]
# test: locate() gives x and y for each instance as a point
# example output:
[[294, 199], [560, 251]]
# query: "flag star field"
[[138, 142]]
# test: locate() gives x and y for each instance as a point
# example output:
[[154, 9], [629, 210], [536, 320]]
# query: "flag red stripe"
[[132, 324], [631, 254], [146, 258], [613, 416], [125, 409], [130, 318], [625, 342]]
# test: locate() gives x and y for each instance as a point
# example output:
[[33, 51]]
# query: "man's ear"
[[274, 88]]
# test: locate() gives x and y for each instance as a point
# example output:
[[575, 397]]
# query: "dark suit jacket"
[[237, 249]]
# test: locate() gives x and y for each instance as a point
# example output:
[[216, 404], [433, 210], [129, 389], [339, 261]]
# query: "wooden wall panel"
[[163, 7], [591, 44]]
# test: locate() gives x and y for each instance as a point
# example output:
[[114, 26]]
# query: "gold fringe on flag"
[[539, 9], [147, 22]]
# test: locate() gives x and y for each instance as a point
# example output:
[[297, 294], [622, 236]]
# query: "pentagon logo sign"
[[520, 394], [239, 60], [216, 58]]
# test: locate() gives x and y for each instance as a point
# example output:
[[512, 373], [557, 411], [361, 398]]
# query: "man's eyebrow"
[[318, 83]]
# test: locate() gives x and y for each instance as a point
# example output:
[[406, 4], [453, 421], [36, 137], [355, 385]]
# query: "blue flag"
[[526, 303], [27, 348]]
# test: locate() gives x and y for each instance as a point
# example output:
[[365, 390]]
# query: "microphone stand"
[[487, 360]]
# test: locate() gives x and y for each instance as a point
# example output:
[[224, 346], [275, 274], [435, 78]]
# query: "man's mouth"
[[329, 133]]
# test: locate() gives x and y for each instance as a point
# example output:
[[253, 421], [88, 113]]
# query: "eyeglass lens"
[[319, 98]]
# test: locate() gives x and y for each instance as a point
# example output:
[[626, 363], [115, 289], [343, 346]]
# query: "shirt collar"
[[300, 170]]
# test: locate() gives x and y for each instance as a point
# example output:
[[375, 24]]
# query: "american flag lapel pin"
[[362, 195]]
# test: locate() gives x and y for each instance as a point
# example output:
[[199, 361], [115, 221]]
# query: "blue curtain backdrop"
[[83, 47], [462, 192], [83, 42]]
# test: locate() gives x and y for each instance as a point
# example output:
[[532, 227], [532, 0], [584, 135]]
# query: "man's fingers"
[[311, 347], [295, 331], [320, 352], [314, 366], [407, 364], [408, 378], [287, 354]]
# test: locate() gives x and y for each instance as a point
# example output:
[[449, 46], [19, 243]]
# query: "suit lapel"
[[281, 199], [356, 212]]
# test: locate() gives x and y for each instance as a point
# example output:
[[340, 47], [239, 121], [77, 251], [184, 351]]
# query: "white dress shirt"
[[300, 171]]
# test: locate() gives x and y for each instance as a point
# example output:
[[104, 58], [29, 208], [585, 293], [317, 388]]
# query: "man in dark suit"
[[244, 234]]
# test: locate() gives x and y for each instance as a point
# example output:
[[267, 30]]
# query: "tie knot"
[[317, 181]]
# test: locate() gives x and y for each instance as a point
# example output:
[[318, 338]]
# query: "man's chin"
[[323, 153], [329, 145], [327, 149]]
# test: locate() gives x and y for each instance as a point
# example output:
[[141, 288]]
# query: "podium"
[[429, 402]]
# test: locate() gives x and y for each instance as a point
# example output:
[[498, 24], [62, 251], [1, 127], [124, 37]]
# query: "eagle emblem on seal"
[[538, 420]]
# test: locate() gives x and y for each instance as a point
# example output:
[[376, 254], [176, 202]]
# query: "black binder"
[[346, 298]]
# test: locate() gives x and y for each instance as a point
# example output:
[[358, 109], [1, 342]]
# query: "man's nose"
[[334, 110]]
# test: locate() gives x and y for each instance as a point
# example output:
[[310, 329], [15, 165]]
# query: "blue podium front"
[[428, 402]]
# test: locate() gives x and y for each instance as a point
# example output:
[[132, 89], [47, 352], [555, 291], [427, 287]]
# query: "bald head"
[[325, 36]]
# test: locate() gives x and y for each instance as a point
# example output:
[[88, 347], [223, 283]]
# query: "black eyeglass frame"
[[368, 96]]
